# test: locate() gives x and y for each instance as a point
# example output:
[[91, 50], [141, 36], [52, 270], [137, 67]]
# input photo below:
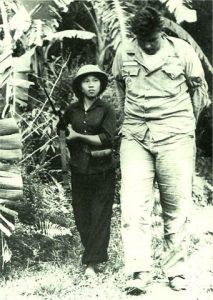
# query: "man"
[[163, 84]]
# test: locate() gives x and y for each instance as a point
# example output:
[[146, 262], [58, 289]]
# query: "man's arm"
[[196, 82], [120, 94]]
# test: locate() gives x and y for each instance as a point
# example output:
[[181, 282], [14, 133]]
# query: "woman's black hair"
[[146, 21]]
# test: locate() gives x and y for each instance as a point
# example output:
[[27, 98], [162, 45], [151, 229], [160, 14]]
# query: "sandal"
[[138, 284]]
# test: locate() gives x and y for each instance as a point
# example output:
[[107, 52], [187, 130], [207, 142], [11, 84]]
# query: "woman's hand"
[[72, 133], [88, 139]]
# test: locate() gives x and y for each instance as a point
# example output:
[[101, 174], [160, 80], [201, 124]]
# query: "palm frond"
[[55, 198], [183, 34], [5, 225], [51, 230], [10, 184], [121, 17], [115, 18]]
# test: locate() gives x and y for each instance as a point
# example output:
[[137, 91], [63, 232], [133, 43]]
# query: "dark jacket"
[[99, 119]]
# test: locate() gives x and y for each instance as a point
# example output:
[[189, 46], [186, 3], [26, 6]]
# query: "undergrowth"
[[46, 248]]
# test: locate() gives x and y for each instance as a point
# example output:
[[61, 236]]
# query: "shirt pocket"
[[172, 78], [130, 68], [173, 72]]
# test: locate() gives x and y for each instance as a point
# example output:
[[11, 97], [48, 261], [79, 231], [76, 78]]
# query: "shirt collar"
[[133, 49], [97, 103]]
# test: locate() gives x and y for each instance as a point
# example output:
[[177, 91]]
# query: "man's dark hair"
[[146, 21]]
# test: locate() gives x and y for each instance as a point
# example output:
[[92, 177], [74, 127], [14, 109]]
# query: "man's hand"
[[194, 82]]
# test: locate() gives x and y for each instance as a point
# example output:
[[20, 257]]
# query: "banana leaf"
[[183, 34], [85, 35]]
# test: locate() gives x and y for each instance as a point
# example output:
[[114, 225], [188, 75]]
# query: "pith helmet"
[[87, 70]]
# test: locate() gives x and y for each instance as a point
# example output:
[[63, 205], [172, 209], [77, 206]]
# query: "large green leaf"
[[19, 81], [109, 19], [10, 179], [181, 10], [54, 36], [23, 19]]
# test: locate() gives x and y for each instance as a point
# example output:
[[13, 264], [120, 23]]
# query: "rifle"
[[62, 141]]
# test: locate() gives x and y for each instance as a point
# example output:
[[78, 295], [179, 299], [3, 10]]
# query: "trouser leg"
[[81, 205], [101, 212], [93, 197], [137, 176], [174, 168]]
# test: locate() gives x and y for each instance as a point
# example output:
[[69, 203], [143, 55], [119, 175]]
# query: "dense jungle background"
[[42, 44]]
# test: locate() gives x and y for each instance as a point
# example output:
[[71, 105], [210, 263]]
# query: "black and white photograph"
[[106, 150]]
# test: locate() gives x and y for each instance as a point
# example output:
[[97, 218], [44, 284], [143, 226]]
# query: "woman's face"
[[90, 86]]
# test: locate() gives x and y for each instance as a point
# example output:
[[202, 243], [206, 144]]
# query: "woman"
[[91, 125]]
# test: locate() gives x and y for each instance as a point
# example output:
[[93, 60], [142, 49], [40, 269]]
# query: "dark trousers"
[[92, 199]]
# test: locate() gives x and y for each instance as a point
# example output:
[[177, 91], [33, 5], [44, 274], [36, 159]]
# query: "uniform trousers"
[[171, 163], [92, 200]]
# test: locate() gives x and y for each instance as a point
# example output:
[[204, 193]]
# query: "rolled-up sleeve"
[[108, 127]]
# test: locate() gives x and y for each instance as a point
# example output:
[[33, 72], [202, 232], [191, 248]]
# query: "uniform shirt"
[[157, 92], [99, 120]]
